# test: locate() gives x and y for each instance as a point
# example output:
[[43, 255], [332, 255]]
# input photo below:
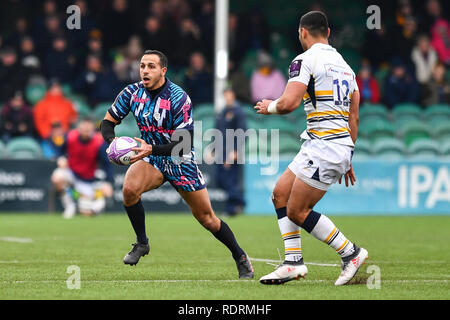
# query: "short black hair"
[[316, 23], [162, 57]]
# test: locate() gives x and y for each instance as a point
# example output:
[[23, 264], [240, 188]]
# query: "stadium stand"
[[424, 148], [389, 148], [23, 148]]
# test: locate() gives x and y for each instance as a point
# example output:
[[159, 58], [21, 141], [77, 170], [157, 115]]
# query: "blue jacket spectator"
[[199, 80], [97, 83], [400, 86]]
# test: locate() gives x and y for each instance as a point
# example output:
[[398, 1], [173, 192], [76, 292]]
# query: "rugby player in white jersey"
[[331, 99]]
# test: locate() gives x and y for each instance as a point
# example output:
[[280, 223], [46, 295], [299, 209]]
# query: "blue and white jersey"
[[158, 115]]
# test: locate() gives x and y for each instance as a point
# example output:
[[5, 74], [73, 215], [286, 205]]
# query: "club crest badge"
[[157, 116]]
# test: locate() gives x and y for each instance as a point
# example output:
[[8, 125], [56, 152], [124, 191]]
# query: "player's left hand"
[[261, 106], [144, 150], [350, 175]]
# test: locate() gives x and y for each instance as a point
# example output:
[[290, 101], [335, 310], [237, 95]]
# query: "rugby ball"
[[119, 151]]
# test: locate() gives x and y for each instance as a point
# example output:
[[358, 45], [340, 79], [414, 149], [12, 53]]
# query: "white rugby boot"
[[285, 272], [351, 265]]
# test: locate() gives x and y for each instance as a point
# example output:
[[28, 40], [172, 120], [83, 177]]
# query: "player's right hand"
[[144, 150], [349, 175]]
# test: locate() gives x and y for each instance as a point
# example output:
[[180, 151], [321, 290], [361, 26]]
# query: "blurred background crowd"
[[51, 76]]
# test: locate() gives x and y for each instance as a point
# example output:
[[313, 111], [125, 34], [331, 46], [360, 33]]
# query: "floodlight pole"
[[221, 53]]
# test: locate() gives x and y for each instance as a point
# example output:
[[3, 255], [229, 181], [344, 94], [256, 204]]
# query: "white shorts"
[[321, 163], [85, 188]]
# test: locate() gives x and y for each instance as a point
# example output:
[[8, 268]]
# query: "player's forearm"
[[353, 119], [107, 130], [353, 123], [168, 149]]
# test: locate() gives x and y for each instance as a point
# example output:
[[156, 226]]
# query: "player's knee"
[[278, 198], [209, 222], [130, 195], [58, 180]]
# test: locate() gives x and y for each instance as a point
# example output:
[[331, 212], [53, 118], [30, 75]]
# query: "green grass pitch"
[[187, 262]]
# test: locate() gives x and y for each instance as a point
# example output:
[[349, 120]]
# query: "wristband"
[[272, 108]]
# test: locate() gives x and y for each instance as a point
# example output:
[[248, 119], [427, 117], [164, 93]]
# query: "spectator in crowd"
[[97, 83], [59, 62], [236, 43], [368, 86], [16, 118], [178, 10], [29, 59], [432, 13], [127, 64], [10, 11], [154, 36], [198, 80], [230, 170], [118, 24], [400, 85], [94, 47], [424, 58], [52, 30], [21, 30], [189, 41], [255, 31], [53, 146], [78, 38], [437, 90], [206, 23], [75, 175], [405, 41], [13, 76], [266, 82], [440, 39], [54, 107], [377, 47], [239, 82], [404, 12]]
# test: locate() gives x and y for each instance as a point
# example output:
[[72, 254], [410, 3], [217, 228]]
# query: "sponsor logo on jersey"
[[140, 100], [294, 68]]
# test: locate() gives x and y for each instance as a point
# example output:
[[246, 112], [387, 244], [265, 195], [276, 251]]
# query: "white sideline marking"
[[15, 239], [310, 263]]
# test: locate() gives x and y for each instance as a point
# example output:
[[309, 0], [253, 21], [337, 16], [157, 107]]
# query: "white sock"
[[322, 228], [290, 232]]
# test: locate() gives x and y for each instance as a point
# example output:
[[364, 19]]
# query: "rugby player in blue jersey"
[[163, 111]]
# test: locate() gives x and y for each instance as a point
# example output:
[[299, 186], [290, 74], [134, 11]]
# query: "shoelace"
[[134, 248], [280, 263]]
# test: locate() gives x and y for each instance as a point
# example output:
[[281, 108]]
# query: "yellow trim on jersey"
[[327, 113], [293, 249], [320, 93], [328, 132]]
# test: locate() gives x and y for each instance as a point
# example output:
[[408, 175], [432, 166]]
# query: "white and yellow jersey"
[[331, 83]]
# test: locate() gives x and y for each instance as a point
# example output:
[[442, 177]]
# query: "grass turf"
[[187, 262]]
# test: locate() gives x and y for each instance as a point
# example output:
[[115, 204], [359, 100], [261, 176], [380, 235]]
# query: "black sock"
[[226, 236], [136, 214]]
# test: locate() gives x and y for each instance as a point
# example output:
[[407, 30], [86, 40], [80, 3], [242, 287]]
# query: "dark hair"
[[162, 57], [316, 23]]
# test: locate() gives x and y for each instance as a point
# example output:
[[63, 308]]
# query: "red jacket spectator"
[[54, 108], [368, 86], [440, 40]]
